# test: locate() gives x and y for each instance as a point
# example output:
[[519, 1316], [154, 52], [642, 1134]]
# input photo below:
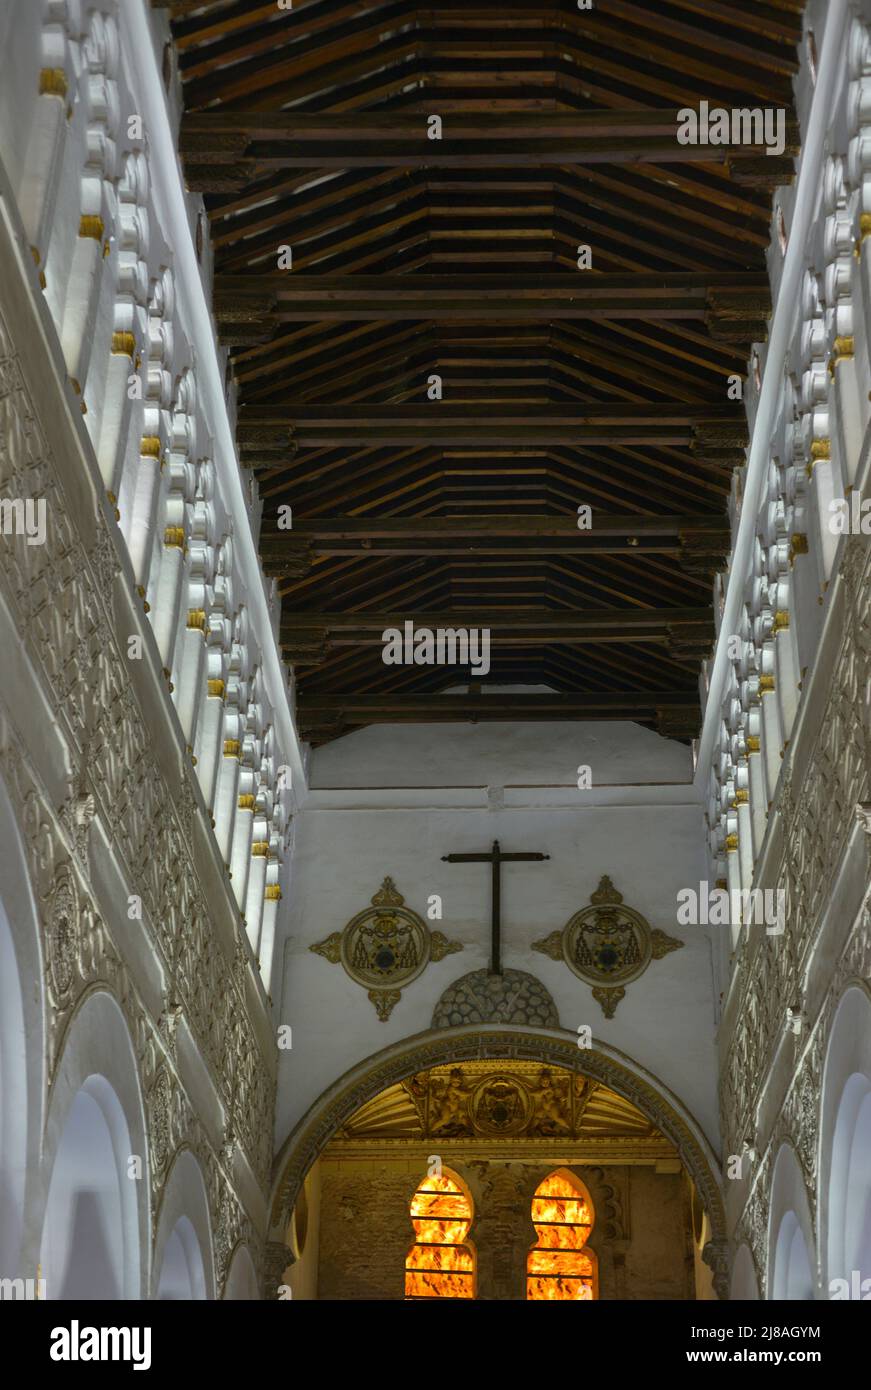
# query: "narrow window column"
[[848, 408], [207, 748], [858, 177], [756, 782], [271, 899], [746, 847], [167, 592], [129, 325], [227, 789], [211, 727], [191, 672], [785, 671], [97, 220], [167, 578], [84, 291], [37, 195], [845, 412], [260, 850], [116, 418], [772, 732], [733, 877], [138, 516], [824, 479], [240, 855]]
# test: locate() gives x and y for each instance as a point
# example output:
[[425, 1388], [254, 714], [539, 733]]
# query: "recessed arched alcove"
[[182, 1276], [83, 1243], [509, 1048], [241, 1281], [790, 1232], [183, 1261], [22, 1049], [845, 1142], [94, 1230]]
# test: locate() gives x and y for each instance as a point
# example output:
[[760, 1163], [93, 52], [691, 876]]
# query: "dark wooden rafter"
[[700, 543], [251, 308], [672, 712], [457, 257], [223, 149], [308, 637], [714, 433]]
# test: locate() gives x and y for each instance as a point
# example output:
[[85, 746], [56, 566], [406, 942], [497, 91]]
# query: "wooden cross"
[[496, 859]]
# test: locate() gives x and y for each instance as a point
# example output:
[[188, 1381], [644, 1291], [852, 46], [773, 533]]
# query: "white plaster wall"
[[498, 754], [651, 848]]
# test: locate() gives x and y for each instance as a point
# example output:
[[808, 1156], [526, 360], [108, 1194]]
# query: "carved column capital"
[[276, 1258], [716, 1256]]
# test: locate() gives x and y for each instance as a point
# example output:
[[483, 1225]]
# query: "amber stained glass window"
[[441, 1263], [558, 1266]]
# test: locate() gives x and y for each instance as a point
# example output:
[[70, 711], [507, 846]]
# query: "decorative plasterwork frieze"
[[80, 958], [58, 597], [819, 818], [798, 1121]]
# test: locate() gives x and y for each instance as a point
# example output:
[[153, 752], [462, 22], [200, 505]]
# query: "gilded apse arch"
[[493, 1042]]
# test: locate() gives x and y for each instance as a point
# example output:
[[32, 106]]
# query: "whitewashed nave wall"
[[477, 785]]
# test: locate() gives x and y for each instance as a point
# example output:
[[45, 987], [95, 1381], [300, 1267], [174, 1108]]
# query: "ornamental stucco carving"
[[818, 814], [512, 997], [60, 596]]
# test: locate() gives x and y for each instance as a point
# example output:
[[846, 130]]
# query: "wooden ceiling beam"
[[308, 638], [325, 532], [221, 144], [329, 151], [700, 542], [713, 433], [674, 713], [266, 300]]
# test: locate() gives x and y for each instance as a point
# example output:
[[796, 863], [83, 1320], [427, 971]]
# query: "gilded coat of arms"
[[607, 945], [385, 947]]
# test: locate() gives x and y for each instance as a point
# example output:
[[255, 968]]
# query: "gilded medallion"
[[607, 945], [385, 947]]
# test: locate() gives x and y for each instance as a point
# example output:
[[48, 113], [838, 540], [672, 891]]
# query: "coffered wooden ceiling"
[[458, 257]]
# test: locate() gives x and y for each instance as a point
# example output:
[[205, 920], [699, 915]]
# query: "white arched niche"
[[845, 1145], [22, 1053], [182, 1275], [94, 1242], [241, 1281], [745, 1285], [790, 1232], [183, 1262]]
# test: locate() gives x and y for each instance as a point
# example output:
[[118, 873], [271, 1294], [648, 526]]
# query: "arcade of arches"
[[435, 597]]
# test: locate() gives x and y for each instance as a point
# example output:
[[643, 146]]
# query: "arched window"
[[441, 1263], [558, 1266]]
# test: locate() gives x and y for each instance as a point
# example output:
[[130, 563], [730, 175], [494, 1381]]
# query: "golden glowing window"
[[558, 1266], [441, 1263]]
